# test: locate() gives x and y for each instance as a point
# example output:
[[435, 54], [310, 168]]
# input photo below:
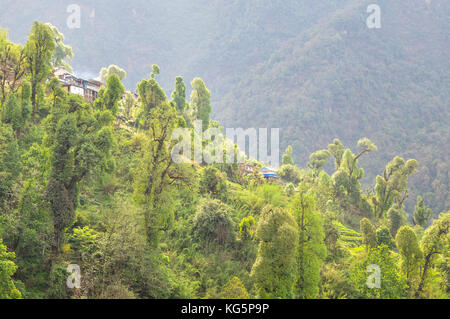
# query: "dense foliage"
[[94, 185], [312, 68]]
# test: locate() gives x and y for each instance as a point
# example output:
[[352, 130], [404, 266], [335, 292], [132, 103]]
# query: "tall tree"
[[17, 109], [421, 213], [411, 254], [318, 159], [157, 174], [200, 101], [12, 66], [396, 217], [274, 271], [311, 250], [151, 95], [29, 230], [287, 156], [12, 113], [80, 144], [369, 235], [39, 52], [346, 179], [179, 94], [127, 105], [337, 150], [110, 96], [436, 241], [392, 185], [62, 51]]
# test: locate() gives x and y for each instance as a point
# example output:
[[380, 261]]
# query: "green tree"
[[213, 183], [434, 242], [200, 101], [274, 271], [12, 113], [347, 176], [384, 237], [7, 269], [13, 66], [290, 174], [410, 252], [331, 230], [10, 165], [110, 97], [112, 69], [396, 218], [365, 145], [311, 245], [246, 228], [179, 94], [287, 156], [392, 186], [29, 233], [62, 51], [337, 150], [63, 210], [392, 284], [213, 223], [150, 95], [155, 71], [80, 144], [270, 194], [17, 109], [421, 213], [318, 159], [289, 190], [57, 99], [157, 175], [369, 233], [235, 289], [39, 52], [25, 99], [127, 105]]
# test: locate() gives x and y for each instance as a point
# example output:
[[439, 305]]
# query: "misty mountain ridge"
[[312, 68]]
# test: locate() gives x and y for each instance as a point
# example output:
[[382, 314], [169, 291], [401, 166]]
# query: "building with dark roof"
[[86, 88]]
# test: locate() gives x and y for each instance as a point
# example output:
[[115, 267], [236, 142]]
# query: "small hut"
[[269, 173]]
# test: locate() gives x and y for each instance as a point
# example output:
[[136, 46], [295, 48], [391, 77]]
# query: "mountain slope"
[[312, 68], [341, 79]]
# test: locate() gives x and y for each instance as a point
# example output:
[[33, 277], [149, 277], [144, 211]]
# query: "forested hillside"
[[93, 189], [312, 68], [339, 78]]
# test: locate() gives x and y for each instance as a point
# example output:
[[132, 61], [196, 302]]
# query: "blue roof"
[[268, 169]]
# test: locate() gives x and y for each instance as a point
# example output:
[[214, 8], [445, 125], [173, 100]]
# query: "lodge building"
[[86, 88]]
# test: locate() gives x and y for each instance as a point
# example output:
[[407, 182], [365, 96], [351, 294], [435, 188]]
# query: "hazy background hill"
[[312, 68]]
